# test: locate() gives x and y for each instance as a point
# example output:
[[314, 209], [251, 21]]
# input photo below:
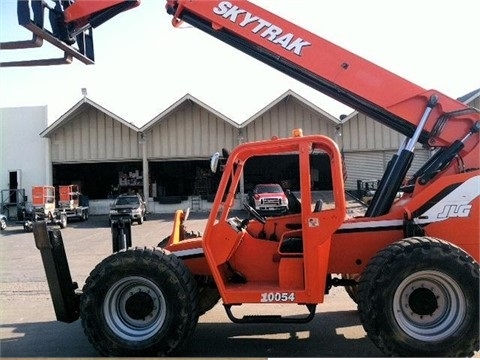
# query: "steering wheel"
[[254, 213]]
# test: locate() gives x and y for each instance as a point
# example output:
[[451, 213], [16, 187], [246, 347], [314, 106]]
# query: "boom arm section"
[[334, 71]]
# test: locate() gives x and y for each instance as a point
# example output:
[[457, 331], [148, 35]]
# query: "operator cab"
[[262, 253]]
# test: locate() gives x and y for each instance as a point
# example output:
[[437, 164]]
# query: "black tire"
[[63, 221], [353, 289], [208, 295], [3, 224], [139, 302], [27, 226], [419, 297]]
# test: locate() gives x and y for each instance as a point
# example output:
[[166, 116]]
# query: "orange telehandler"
[[411, 263]]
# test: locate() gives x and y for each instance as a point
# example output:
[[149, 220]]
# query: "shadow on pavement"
[[323, 337]]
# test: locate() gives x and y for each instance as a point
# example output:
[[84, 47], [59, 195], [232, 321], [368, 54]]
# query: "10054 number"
[[277, 297]]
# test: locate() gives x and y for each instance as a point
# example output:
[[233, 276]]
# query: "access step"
[[270, 319]]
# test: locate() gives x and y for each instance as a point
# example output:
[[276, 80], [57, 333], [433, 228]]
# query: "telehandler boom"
[[415, 258]]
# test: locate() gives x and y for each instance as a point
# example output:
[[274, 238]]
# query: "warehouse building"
[[167, 159]]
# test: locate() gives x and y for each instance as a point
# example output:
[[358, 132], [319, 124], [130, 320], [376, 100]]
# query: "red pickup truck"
[[269, 199]]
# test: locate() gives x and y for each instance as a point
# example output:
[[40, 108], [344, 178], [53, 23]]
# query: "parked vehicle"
[[269, 199], [130, 206]]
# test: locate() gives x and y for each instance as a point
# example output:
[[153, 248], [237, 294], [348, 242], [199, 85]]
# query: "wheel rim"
[[429, 306], [135, 308]]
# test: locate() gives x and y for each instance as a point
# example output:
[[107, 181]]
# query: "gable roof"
[[467, 98], [177, 104], [77, 109], [285, 95]]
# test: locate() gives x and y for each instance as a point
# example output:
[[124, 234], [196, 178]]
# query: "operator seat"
[[318, 205], [294, 206]]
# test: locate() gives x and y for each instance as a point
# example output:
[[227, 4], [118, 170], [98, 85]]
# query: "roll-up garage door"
[[365, 165], [370, 165]]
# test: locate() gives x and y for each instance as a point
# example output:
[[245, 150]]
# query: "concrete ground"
[[28, 327]]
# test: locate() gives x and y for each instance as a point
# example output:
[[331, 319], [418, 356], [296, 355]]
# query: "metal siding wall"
[[285, 116], [362, 133], [93, 136], [475, 103], [190, 132]]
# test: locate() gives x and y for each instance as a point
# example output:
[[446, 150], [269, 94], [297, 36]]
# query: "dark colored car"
[[130, 206]]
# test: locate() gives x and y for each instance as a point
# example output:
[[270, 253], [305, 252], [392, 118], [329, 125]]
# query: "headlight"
[[113, 212]]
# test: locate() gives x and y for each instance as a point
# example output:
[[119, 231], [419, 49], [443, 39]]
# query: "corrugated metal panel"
[[475, 103], [190, 132], [285, 116], [370, 165], [363, 166], [362, 133], [94, 136]]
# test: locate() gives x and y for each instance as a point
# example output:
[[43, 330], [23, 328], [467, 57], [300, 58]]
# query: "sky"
[[144, 65]]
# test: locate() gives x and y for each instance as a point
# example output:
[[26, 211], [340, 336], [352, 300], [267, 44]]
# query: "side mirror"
[[214, 162]]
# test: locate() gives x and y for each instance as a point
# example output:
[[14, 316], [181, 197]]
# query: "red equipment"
[[43, 208], [72, 202]]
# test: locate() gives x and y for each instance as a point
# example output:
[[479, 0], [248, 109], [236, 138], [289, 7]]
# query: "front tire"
[[139, 302], [419, 297]]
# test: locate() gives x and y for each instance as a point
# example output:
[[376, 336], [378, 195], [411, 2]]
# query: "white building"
[[24, 154]]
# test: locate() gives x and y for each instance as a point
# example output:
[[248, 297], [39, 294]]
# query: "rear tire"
[[419, 297], [139, 302]]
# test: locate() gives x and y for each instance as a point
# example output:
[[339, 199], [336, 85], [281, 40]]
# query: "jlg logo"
[[449, 211], [262, 27]]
